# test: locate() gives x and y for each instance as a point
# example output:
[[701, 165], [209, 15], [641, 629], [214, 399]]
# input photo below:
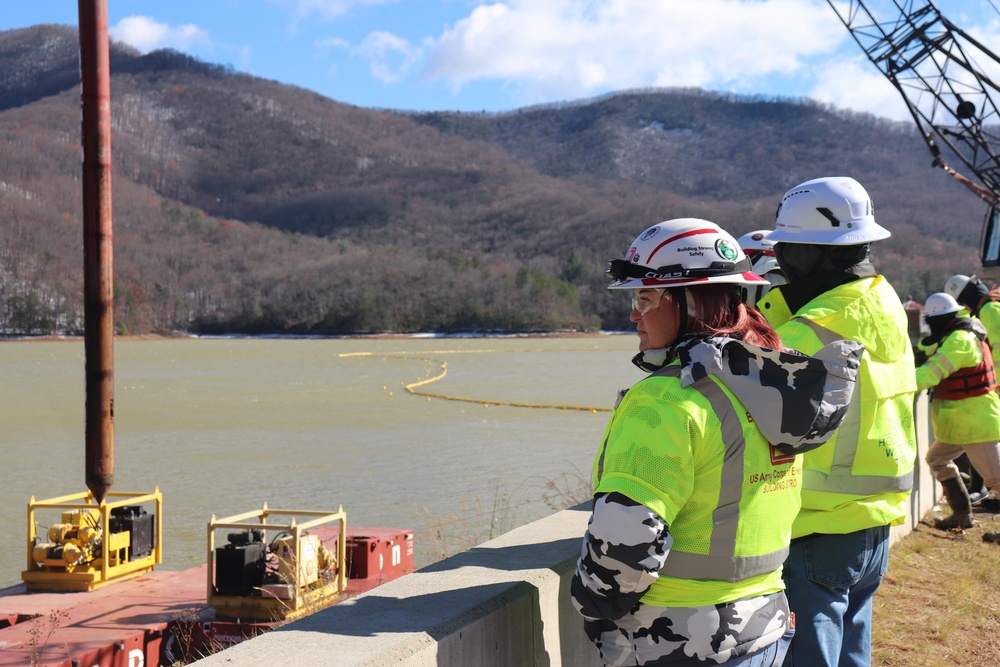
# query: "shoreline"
[[376, 336]]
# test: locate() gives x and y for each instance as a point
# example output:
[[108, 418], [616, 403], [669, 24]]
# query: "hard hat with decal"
[[760, 250], [833, 210], [682, 252], [956, 284], [940, 303], [756, 241]]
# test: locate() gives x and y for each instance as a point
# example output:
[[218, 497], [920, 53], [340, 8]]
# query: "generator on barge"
[[92, 544]]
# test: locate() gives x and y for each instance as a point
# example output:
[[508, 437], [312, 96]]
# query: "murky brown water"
[[223, 425]]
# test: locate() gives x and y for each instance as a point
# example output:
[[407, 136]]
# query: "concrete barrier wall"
[[926, 490], [505, 602]]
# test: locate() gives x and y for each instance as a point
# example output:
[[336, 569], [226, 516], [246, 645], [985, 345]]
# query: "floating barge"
[[73, 614]]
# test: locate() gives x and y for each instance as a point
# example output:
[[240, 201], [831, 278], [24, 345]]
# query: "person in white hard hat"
[[696, 480], [981, 301], [965, 410], [857, 485], [760, 251]]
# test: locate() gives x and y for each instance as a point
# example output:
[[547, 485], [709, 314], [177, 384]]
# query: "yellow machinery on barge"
[[283, 578], [93, 544]]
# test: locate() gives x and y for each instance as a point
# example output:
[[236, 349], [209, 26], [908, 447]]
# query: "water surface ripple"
[[223, 425]]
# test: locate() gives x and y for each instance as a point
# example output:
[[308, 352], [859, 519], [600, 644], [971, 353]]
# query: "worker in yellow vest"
[[696, 480], [965, 410], [858, 485]]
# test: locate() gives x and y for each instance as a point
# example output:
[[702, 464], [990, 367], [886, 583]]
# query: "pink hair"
[[717, 310]]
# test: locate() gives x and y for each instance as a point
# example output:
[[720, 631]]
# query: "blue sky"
[[468, 55]]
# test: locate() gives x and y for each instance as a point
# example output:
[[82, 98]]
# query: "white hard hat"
[[940, 303], [833, 210], [757, 241], [682, 252], [760, 249], [956, 284], [766, 267]]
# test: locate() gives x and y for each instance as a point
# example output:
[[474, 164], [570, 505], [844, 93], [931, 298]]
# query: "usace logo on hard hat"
[[727, 250], [649, 233]]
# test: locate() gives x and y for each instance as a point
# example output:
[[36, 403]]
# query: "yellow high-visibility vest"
[[863, 476], [693, 456]]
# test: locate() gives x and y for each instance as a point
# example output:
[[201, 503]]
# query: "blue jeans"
[[830, 581], [770, 656]]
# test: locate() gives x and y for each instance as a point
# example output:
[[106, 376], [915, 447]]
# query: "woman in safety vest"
[[965, 410], [696, 480]]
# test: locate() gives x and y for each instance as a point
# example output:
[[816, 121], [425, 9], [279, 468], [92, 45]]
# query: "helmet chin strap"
[[651, 361]]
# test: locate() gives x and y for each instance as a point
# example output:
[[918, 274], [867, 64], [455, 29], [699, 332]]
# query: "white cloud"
[[857, 84], [559, 49], [390, 58], [330, 43], [326, 9], [147, 34], [989, 36]]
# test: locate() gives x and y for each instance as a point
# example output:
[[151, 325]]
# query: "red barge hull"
[[162, 617]]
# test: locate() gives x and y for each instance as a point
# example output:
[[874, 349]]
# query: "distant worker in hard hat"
[[965, 410], [982, 302], [760, 251], [697, 476], [855, 487]]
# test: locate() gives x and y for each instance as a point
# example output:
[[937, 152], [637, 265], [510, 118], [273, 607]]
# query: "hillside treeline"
[[247, 206]]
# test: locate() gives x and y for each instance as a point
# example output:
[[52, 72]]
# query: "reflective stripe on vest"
[[721, 563], [840, 479], [969, 382]]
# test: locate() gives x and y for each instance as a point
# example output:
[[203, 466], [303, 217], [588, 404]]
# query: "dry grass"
[[41, 632], [475, 522], [939, 603]]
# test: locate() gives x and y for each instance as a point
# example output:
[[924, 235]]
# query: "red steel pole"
[[95, 99]]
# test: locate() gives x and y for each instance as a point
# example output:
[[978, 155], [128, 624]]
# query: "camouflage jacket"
[[627, 544]]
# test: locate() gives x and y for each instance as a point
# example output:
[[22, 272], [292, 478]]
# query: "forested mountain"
[[243, 205]]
